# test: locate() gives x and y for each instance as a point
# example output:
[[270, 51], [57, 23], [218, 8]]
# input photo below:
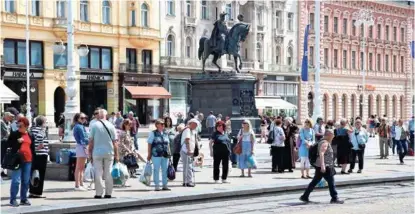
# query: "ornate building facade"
[[381, 50], [123, 40], [268, 52]]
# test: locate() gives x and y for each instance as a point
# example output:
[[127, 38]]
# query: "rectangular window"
[[395, 34], [35, 8], [387, 32], [204, 10], [15, 53], [188, 8], [60, 60], [402, 34], [131, 56], [170, 7], [311, 53], [10, 6], [147, 56], [354, 59], [402, 64], [132, 18], [345, 59], [394, 63], [311, 21], [370, 61], [259, 17], [290, 21], [378, 62], [326, 57], [345, 26], [379, 31], [362, 30], [335, 24], [335, 55], [386, 62], [84, 11], [354, 28], [61, 9], [326, 23], [371, 32], [98, 58], [278, 20]]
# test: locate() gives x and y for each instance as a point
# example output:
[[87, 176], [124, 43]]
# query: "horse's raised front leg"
[[215, 59]]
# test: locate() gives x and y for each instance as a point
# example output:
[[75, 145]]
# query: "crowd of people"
[[112, 138]]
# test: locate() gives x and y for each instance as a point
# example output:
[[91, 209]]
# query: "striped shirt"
[[39, 136]]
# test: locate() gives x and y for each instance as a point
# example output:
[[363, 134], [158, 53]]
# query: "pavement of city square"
[[61, 197]]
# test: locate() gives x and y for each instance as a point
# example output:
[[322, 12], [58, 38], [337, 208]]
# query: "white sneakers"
[[223, 182], [81, 188]]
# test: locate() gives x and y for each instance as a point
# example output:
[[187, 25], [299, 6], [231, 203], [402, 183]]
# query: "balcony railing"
[[60, 22], [281, 68], [143, 32], [139, 68], [190, 21]]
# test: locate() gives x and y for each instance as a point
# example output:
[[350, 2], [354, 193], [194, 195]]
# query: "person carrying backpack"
[[176, 145], [324, 164]]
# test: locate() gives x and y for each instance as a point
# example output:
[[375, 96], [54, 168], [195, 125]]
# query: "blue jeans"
[[22, 175], [402, 147], [394, 142], [157, 163], [328, 176], [135, 141]]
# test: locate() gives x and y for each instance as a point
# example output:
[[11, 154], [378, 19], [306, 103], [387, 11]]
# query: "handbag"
[[171, 173], [35, 179], [130, 161], [11, 160]]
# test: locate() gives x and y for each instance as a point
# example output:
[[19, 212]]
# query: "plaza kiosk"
[[275, 106]]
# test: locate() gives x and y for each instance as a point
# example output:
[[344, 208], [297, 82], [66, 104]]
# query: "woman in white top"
[[246, 139], [277, 148]]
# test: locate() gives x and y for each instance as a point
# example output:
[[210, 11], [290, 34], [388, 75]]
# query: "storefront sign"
[[95, 77], [154, 79], [21, 75]]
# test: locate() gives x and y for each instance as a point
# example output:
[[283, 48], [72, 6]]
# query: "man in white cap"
[[189, 138]]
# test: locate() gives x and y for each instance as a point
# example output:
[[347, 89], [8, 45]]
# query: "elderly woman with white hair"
[[246, 139]]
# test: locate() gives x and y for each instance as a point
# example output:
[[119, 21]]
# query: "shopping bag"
[[35, 179], [148, 170], [123, 175], [89, 172], [146, 180], [171, 173], [322, 183], [116, 171], [251, 162]]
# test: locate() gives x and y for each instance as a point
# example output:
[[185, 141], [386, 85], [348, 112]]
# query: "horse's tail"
[[201, 47]]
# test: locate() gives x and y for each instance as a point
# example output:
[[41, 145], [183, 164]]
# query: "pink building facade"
[[387, 65]]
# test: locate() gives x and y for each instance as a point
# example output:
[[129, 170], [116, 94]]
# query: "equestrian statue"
[[223, 42]]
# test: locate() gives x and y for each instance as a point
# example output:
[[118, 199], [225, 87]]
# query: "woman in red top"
[[20, 142]]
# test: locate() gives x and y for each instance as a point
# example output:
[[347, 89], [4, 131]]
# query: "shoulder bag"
[[108, 131], [238, 147]]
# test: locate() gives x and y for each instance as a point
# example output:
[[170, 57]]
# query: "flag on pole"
[[304, 66], [413, 49]]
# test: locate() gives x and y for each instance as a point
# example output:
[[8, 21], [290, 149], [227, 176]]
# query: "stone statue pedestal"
[[229, 94]]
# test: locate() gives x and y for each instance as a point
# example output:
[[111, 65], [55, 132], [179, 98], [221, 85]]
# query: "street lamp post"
[[27, 34], [364, 17], [317, 98]]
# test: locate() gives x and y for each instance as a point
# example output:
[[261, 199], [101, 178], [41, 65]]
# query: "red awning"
[[148, 92]]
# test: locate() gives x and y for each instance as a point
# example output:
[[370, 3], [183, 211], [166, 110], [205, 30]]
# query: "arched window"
[[170, 45], [353, 105], [188, 47], [386, 101], [106, 12], [144, 15], [370, 105], [188, 8], [344, 106], [361, 105], [334, 107], [326, 106], [259, 52], [290, 56], [402, 107], [204, 10], [132, 15], [394, 101], [379, 105], [278, 55]]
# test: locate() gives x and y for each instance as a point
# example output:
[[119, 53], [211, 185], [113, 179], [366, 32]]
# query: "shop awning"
[[274, 103], [6, 94], [148, 92]]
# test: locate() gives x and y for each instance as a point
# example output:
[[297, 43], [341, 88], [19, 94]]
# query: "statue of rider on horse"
[[223, 42]]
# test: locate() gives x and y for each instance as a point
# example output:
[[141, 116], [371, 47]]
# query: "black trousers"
[[360, 154], [328, 176], [277, 154], [176, 158], [218, 157], [39, 163]]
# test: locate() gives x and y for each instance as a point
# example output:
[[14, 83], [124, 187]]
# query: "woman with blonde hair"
[[246, 139], [307, 139]]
